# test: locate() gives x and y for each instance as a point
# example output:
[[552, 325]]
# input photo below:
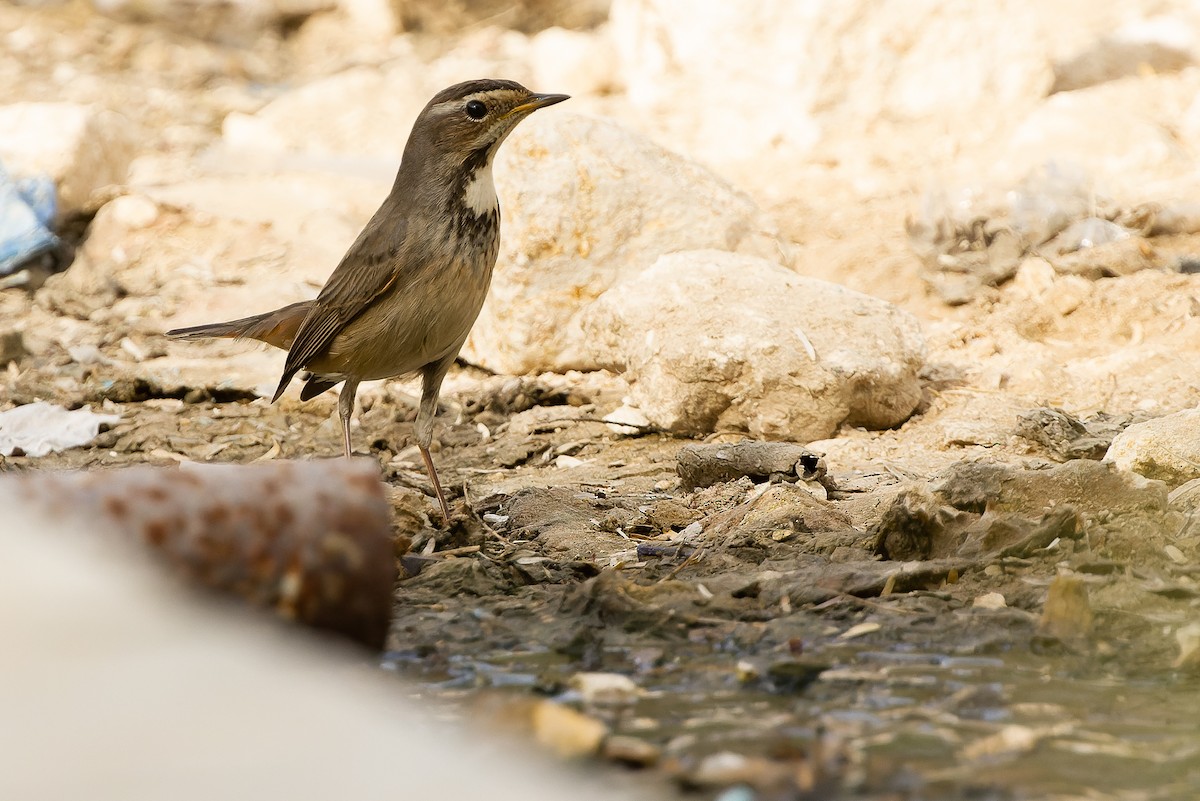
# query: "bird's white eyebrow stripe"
[[459, 102]]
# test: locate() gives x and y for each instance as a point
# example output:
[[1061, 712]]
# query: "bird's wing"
[[370, 267]]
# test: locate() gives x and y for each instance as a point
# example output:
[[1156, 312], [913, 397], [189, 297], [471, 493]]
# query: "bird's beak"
[[538, 101]]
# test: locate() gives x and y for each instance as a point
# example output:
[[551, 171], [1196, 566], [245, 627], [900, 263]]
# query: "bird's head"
[[468, 121]]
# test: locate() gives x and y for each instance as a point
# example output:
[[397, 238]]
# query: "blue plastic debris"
[[27, 209]]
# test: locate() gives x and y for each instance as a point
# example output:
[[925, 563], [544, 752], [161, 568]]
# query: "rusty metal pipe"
[[310, 540]]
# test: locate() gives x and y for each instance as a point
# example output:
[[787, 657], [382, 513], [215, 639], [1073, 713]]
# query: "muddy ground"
[[970, 605]]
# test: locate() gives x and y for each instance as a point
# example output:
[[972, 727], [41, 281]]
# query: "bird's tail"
[[276, 328]]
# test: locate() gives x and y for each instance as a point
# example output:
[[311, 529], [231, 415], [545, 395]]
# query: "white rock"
[[83, 148], [366, 113], [133, 211], [1165, 448], [340, 114], [230, 22], [989, 600], [626, 419], [739, 79], [1157, 44], [711, 340], [1080, 126], [573, 62], [374, 17], [587, 203], [605, 688]]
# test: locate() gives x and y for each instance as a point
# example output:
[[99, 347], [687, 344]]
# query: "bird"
[[408, 290]]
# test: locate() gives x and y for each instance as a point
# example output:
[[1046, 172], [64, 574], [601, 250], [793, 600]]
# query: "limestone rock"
[[775, 69], [586, 204], [340, 114], [365, 113], [1165, 448], [238, 22], [1080, 126], [575, 62], [711, 340], [1160, 44], [82, 147]]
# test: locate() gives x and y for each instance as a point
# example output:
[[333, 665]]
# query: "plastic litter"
[[27, 209], [40, 428]]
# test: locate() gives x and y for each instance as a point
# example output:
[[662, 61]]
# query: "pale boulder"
[[340, 115], [1118, 150], [587, 204], [737, 80], [84, 148], [575, 62], [240, 22], [1165, 448], [719, 341]]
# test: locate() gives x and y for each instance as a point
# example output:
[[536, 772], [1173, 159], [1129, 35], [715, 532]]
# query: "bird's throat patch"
[[479, 192]]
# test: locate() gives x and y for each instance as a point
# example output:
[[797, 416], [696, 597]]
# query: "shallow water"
[[900, 723]]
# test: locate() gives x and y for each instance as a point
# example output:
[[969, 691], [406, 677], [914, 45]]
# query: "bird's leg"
[[431, 385], [346, 409]]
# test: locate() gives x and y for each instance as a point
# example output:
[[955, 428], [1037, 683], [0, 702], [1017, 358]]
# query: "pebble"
[[1175, 555], [606, 689], [566, 732], [631, 751], [859, 631], [989, 600]]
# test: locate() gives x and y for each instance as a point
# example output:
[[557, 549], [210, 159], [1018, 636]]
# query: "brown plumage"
[[408, 290]]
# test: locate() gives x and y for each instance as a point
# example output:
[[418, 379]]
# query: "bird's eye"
[[476, 110]]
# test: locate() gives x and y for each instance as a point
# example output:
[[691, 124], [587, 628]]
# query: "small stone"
[[133, 211], [87, 354], [1175, 555], [1165, 448], [626, 420], [1009, 740], [989, 600], [605, 689], [12, 347], [725, 768], [747, 672], [1186, 497], [631, 751], [1067, 614], [859, 630], [566, 462], [793, 675], [738, 792], [566, 732], [1188, 638]]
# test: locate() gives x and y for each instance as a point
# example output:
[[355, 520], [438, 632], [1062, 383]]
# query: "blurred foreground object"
[[310, 540], [115, 686]]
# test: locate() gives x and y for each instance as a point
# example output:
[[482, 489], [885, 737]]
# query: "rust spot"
[[215, 515], [284, 515], [156, 532], [116, 507], [188, 477], [156, 493], [367, 484]]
